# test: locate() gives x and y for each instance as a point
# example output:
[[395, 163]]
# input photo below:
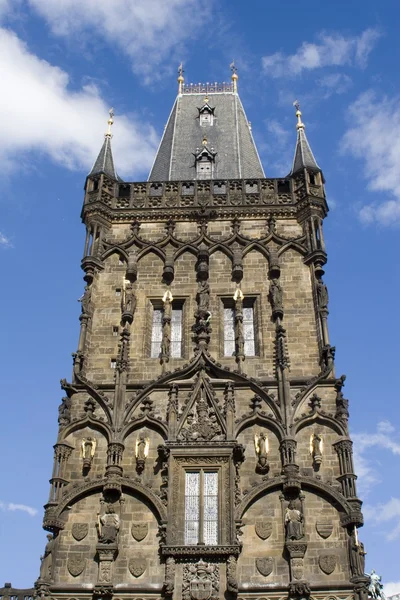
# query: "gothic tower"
[[203, 448]]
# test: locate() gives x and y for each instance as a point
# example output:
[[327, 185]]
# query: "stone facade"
[[269, 425]]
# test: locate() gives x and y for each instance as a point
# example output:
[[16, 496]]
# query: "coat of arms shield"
[[76, 564], [80, 531], [139, 531], [327, 563], [263, 529], [137, 566], [200, 588], [324, 528], [265, 565]]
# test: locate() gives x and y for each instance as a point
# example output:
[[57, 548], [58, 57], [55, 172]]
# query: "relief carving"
[[200, 581], [327, 563], [137, 566], [297, 568], [76, 564], [169, 581], [265, 565], [79, 531], [263, 529], [324, 528], [139, 531]]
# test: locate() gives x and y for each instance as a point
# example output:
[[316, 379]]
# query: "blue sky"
[[64, 63]]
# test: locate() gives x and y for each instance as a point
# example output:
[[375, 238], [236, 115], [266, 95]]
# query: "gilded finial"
[[110, 122], [204, 142], [235, 76], [300, 124], [181, 79]]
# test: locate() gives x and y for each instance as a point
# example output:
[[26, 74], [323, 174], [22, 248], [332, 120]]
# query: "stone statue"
[[166, 340], [64, 411], [203, 296], [87, 451], [262, 448], [275, 295], [294, 522], [47, 559], [85, 300], [169, 581], [129, 303], [357, 555], [239, 338], [108, 526], [375, 588], [141, 452], [322, 294], [316, 446]]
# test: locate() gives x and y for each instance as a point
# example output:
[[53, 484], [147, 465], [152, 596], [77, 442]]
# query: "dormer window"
[[206, 114], [205, 161]]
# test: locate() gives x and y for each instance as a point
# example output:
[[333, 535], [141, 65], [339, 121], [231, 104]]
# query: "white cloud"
[[332, 50], [279, 142], [5, 242], [391, 588], [385, 438], [374, 137], [148, 31], [11, 507], [387, 513], [335, 83], [42, 116]]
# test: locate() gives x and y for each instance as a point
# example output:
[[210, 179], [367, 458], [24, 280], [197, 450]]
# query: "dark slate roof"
[[105, 162], [303, 156], [229, 136]]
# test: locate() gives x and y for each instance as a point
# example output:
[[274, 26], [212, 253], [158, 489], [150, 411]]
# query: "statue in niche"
[[322, 295], [239, 337], [357, 554], [275, 295], [262, 447], [316, 448], [46, 565], [86, 300], [166, 339], [141, 452], [88, 448], [64, 411], [294, 522], [129, 300], [108, 526], [203, 296], [375, 587]]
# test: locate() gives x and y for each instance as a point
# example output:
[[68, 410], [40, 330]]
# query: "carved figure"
[[275, 295], [316, 448], [166, 340], [203, 426], [239, 338], [88, 448], [357, 554], [294, 522], [108, 526], [169, 581], [129, 300], [203, 296], [322, 295], [231, 578], [262, 448], [85, 300], [375, 588], [141, 452], [64, 411], [47, 559]]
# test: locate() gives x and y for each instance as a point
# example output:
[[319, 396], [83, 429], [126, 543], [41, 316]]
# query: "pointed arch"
[[145, 421], [262, 420], [89, 422], [256, 246], [115, 250], [151, 249], [321, 419]]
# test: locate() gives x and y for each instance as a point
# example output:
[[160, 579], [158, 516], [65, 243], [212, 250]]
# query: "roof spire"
[[105, 162], [303, 156], [181, 79], [235, 76]]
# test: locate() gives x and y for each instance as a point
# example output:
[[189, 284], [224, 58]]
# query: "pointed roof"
[[303, 156], [105, 162], [229, 135]]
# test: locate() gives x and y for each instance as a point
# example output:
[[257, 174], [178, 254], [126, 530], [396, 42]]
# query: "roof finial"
[[110, 122], [300, 124], [235, 76], [180, 78], [204, 142]]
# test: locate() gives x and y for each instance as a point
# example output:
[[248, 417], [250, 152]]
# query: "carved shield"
[[76, 564], [137, 566], [324, 528], [297, 568], [265, 565], [139, 531], [200, 589], [263, 529], [80, 531], [327, 563]]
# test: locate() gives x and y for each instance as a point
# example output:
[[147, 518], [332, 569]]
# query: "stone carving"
[[200, 581], [139, 531], [105, 571], [316, 449], [166, 326], [201, 426], [76, 564], [322, 295], [79, 531], [108, 526], [46, 566], [324, 528], [262, 447], [327, 563], [86, 301], [128, 304], [294, 522], [275, 297], [88, 449], [131, 271], [231, 575], [263, 529], [141, 452], [299, 589], [265, 565], [297, 567], [64, 412], [203, 297], [169, 581], [357, 555], [375, 587], [137, 566]]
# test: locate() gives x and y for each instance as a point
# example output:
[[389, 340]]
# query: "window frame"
[[179, 303], [252, 301], [201, 469]]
